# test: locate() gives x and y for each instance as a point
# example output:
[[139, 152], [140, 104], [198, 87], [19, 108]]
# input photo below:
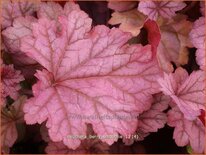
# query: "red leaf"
[[91, 76], [202, 117], [153, 34]]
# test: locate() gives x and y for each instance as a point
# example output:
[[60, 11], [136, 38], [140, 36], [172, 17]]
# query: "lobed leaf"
[[52, 10], [130, 21], [12, 9], [154, 35], [186, 91], [90, 76], [22, 26], [154, 118], [197, 36], [9, 118], [150, 120], [10, 82], [175, 30], [154, 9], [89, 144], [187, 131]]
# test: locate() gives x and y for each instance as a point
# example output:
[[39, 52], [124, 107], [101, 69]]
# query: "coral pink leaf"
[[154, 9], [12, 38], [186, 91], [121, 6], [200, 58], [22, 26], [154, 118], [202, 7], [90, 77], [14, 9], [150, 120], [89, 144], [49, 10], [187, 131], [46, 40], [9, 118], [60, 148], [10, 81], [197, 37], [197, 34], [52, 10]]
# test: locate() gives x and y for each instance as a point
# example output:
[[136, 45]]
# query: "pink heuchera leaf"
[[197, 37], [89, 144], [14, 9], [154, 118], [202, 7], [187, 131], [121, 6], [12, 38], [89, 74], [9, 118], [87, 148], [187, 91], [151, 120], [197, 34], [154, 9], [52, 10], [10, 79]]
